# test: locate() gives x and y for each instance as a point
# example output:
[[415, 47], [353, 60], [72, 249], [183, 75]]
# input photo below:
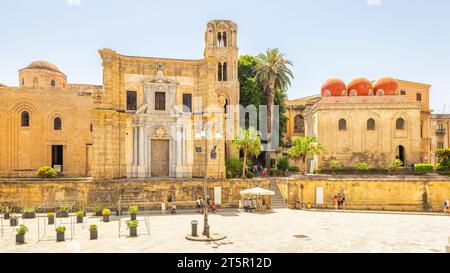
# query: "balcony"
[[440, 131]]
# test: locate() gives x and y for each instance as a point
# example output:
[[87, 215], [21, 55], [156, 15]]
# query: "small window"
[[219, 72], [53, 83], [23, 81], [25, 119], [342, 125], [327, 93], [380, 93], [400, 124], [225, 74], [131, 100], [57, 124], [353, 93], [440, 145], [299, 124], [91, 127], [371, 124], [419, 97], [187, 103], [403, 93], [160, 101], [224, 39]]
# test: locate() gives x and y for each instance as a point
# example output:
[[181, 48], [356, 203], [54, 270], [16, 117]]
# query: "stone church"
[[152, 117]]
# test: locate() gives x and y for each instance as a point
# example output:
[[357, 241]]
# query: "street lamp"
[[200, 135]]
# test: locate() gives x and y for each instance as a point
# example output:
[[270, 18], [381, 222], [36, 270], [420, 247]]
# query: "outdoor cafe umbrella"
[[257, 192]]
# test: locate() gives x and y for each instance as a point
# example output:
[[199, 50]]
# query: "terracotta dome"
[[362, 86], [43, 65], [388, 85], [334, 86]]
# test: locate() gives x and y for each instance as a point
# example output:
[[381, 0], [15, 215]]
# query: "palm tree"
[[273, 73], [305, 147], [249, 141]]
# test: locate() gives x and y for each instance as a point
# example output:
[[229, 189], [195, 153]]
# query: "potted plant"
[[29, 213], [51, 218], [13, 221], [132, 226], [133, 211], [6, 212], [63, 212], [60, 232], [93, 232], [20, 236], [99, 208], [106, 213], [80, 216]]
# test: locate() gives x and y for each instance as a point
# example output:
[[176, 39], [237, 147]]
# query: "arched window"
[[35, 82], [25, 119], [327, 93], [353, 93], [371, 124], [299, 124], [380, 93], [400, 124], [225, 74], [342, 125], [57, 124], [224, 36], [219, 39], [23, 81], [53, 83], [219, 72]]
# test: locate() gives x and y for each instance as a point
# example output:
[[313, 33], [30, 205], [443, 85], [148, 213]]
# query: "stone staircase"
[[276, 201]]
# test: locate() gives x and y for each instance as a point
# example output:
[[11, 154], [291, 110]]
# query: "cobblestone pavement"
[[280, 231]]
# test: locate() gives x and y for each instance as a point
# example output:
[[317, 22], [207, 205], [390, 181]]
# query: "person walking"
[[263, 204], [335, 202], [170, 200], [446, 206], [198, 204], [343, 201], [163, 207]]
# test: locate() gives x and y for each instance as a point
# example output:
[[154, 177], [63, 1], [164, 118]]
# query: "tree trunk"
[[244, 164], [304, 165], [270, 103]]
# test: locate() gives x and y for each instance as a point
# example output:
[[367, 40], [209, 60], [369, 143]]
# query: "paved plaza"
[[280, 231]]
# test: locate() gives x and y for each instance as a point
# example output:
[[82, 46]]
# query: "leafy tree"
[[249, 141], [444, 160], [304, 147], [283, 164], [273, 73], [234, 167]]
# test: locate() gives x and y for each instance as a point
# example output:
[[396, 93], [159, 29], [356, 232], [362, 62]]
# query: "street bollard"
[[194, 224]]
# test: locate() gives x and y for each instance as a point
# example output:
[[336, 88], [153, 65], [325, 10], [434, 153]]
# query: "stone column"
[[141, 149]]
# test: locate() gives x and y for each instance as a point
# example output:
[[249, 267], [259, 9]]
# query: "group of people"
[[339, 201], [200, 204], [248, 205], [170, 205]]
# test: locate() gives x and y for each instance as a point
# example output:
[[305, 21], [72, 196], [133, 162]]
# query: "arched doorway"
[[400, 154]]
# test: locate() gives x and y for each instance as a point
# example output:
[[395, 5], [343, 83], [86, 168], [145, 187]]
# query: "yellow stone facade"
[[134, 125], [440, 133]]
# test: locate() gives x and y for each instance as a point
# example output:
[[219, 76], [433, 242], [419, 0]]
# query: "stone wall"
[[407, 193], [27, 192]]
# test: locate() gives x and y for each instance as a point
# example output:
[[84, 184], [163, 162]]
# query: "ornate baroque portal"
[[159, 133]]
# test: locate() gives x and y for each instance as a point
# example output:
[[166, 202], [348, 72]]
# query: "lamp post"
[[203, 134]]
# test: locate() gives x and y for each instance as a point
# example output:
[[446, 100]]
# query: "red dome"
[[387, 84], [362, 86], [334, 86]]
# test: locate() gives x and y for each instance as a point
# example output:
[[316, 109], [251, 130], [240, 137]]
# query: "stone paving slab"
[[281, 231]]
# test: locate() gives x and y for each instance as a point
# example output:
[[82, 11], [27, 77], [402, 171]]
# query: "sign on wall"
[[319, 196], [218, 195]]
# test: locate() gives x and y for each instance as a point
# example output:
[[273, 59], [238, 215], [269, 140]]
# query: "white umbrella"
[[257, 191]]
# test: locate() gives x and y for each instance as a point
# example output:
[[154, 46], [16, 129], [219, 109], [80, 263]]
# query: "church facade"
[[152, 117]]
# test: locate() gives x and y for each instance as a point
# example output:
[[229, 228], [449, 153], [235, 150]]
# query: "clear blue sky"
[[407, 39]]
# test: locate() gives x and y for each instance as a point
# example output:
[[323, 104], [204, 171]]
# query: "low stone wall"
[[408, 193], [25, 192]]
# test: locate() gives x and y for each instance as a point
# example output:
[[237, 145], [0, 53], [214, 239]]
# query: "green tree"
[[304, 147], [273, 73], [249, 141]]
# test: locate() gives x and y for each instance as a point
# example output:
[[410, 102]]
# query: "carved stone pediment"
[[160, 132]]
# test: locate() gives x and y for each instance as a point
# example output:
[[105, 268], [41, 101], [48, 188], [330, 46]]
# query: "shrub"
[[420, 169], [46, 172], [99, 207], [132, 224], [234, 166], [272, 171], [229, 174], [394, 164], [362, 166], [93, 228], [335, 164], [294, 169], [29, 210], [133, 210], [444, 161], [79, 213], [51, 215], [283, 164], [106, 212], [13, 217], [60, 229], [22, 229], [317, 171], [250, 174], [64, 209]]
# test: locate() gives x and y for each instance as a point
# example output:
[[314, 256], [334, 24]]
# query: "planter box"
[[62, 215], [6, 216], [133, 232], [60, 237], [106, 218], [13, 222], [79, 219], [133, 217], [98, 213], [94, 235], [20, 238], [29, 215]]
